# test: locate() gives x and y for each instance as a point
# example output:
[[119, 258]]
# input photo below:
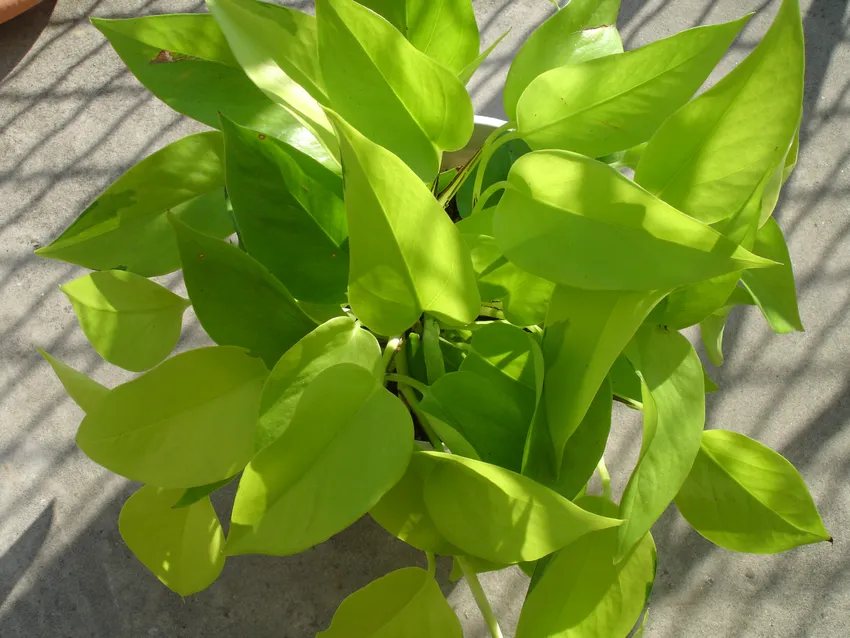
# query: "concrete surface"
[[72, 119]]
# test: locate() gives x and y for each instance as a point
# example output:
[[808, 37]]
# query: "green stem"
[[492, 144], [605, 478], [413, 401], [432, 563], [406, 380], [389, 351], [480, 597], [486, 195], [454, 185]]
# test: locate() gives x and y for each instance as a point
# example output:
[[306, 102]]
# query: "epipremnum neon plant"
[[496, 307]]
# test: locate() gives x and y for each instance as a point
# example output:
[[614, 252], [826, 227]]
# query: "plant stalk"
[[389, 351], [605, 478], [462, 175], [480, 598], [491, 145], [486, 195]]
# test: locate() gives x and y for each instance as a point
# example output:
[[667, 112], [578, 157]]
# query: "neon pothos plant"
[[439, 345]]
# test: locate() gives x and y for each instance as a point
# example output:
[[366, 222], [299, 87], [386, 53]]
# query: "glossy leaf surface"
[[126, 226], [188, 422], [406, 603], [131, 321], [582, 30], [86, 393], [182, 547], [579, 222], [707, 159], [340, 340], [237, 300], [583, 594], [745, 497], [331, 465], [376, 81], [406, 255], [290, 213], [673, 420], [499, 515], [613, 103]]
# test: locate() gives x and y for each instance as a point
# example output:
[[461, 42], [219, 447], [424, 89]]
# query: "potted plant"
[[429, 321]]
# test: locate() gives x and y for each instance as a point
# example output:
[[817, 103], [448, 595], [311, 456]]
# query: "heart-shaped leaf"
[[131, 321], [182, 547], [615, 102], [579, 222], [745, 497], [406, 254], [290, 213], [188, 422], [331, 465], [86, 393], [126, 226], [237, 300]]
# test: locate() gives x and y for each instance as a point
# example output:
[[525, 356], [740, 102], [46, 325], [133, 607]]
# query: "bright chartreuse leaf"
[[188, 422], [192, 495], [131, 321], [403, 513], [238, 301], [582, 30], [406, 602], [347, 444], [708, 158], [290, 213], [582, 593], [126, 226], [406, 254], [745, 497], [615, 102], [182, 547], [469, 70], [586, 331], [673, 419], [185, 61], [387, 89], [579, 222], [340, 340], [712, 327], [499, 515], [277, 47], [773, 289], [86, 393], [500, 351]]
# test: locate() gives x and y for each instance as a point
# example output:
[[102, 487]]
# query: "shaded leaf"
[[625, 383], [498, 167], [86, 393], [192, 495]]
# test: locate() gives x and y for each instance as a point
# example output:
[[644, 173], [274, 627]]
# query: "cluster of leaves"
[[497, 307]]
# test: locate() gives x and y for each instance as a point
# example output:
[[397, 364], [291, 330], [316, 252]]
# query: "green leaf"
[[579, 222], [237, 300], [331, 465], [615, 102], [693, 303], [432, 354], [182, 547], [86, 393], [708, 158], [712, 327], [745, 497], [406, 254], [585, 331], [406, 602], [501, 516], [131, 321], [277, 48], [403, 513], [290, 213], [340, 340], [126, 226], [673, 419], [188, 422], [583, 30], [185, 61], [625, 383], [469, 70], [497, 170], [390, 91], [583, 594], [773, 289], [192, 495]]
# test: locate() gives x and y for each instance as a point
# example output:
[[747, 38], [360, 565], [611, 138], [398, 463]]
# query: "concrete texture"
[[72, 119]]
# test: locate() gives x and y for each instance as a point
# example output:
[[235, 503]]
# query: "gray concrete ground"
[[72, 119]]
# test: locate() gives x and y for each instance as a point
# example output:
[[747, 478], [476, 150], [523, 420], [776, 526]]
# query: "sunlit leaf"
[[129, 320], [86, 393], [469, 70], [182, 547], [188, 422], [406, 255], [126, 226], [445, 30], [331, 465], [618, 101]]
